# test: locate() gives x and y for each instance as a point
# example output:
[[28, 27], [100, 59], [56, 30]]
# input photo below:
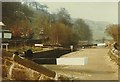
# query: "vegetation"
[[33, 21], [82, 29], [114, 31], [16, 16]]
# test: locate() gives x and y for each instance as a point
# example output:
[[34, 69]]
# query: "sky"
[[96, 11]]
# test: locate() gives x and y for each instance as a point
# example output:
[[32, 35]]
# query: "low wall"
[[113, 55], [17, 68]]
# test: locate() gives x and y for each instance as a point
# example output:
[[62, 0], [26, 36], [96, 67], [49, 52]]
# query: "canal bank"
[[99, 66]]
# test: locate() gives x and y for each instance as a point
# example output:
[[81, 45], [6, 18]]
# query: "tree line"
[[31, 20]]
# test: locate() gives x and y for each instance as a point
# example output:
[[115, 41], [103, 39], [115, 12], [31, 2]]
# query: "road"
[[99, 66]]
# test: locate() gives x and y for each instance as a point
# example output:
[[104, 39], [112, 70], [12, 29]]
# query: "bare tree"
[[113, 31]]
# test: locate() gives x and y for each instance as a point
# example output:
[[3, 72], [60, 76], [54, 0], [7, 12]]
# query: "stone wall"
[[17, 68], [114, 54]]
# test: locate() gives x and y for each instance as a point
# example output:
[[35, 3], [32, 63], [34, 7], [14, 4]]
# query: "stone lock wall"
[[17, 68]]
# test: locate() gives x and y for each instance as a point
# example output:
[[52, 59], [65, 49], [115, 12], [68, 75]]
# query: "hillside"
[[98, 29]]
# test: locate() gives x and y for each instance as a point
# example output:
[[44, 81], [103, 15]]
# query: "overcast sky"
[[98, 11]]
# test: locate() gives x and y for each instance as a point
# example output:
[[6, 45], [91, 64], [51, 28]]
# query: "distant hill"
[[98, 29]]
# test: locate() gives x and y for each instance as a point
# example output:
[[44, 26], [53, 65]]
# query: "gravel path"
[[99, 66]]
